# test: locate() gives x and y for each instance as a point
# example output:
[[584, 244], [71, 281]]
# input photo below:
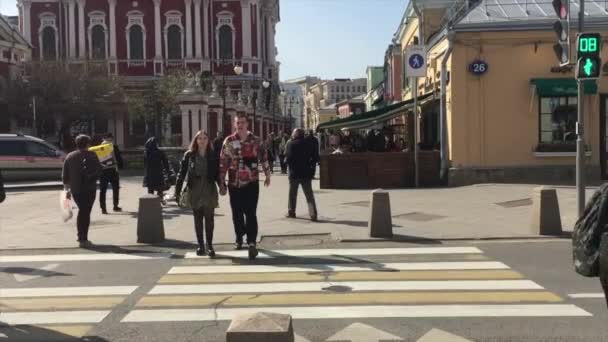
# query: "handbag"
[[185, 200]]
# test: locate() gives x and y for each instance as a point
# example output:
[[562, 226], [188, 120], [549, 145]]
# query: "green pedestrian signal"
[[588, 68]]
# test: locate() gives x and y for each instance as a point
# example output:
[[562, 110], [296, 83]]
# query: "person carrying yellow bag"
[[111, 161]]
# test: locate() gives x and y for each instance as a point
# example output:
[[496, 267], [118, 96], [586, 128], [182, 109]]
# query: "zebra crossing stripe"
[[349, 286], [67, 291], [348, 252], [59, 303], [53, 317], [353, 312], [472, 265], [81, 257]]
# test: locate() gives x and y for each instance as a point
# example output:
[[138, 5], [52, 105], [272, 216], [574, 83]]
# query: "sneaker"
[[253, 252], [211, 252], [117, 209], [104, 212], [200, 251], [85, 244]]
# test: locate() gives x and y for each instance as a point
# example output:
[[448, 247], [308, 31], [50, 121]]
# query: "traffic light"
[[562, 29], [588, 47]]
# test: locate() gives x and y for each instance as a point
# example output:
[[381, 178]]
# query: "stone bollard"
[[150, 226], [380, 222], [260, 327], [546, 218]]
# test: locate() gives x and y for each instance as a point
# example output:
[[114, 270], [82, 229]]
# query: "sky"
[[326, 38]]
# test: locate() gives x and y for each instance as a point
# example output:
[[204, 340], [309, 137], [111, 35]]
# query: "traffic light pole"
[[580, 130]]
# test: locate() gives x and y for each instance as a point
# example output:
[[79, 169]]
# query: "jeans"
[[84, 201], [244, 203], [204, 221], [310, 197], [109, 176]]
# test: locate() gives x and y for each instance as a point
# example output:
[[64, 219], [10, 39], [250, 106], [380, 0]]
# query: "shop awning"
[[373, 117], [561, 86]]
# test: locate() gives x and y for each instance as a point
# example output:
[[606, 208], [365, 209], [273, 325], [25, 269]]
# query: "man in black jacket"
[[110, 175], [301, 159]]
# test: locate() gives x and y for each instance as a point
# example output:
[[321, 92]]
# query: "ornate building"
[[141, 40]]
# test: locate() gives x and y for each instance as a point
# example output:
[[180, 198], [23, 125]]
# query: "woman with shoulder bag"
[[200, 170]]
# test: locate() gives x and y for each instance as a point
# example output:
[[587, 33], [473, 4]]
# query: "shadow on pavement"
[[30, 333], [361, 224], [32, 272]]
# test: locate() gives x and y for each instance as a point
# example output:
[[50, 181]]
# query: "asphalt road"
[[476, 291]]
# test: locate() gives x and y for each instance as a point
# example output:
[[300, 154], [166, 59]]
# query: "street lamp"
[[238, 70], [266, 85]]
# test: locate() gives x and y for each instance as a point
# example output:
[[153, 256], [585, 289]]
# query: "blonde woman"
[[200, 170]]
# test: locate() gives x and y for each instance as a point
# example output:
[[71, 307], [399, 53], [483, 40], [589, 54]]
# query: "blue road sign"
[[416, 61]]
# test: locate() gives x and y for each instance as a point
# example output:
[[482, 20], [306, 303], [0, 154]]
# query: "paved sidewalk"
[[31, 219]]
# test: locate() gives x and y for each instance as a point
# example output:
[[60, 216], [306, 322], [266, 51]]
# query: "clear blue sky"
[[326, 38]]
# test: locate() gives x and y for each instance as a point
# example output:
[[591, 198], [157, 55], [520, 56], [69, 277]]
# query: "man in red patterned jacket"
[[242, 156]]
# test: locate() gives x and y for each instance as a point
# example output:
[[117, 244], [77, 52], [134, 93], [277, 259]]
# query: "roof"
[[527, 14], [10, 34]]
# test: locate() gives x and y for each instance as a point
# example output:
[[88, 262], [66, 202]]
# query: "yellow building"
[[515, 121]]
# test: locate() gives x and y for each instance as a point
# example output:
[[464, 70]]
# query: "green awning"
[[562, 86]]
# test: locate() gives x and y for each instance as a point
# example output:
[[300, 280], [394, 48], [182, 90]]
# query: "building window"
[[558, 120], [136, 43], [98, 42], [49, 46], [174, 42], [226, 42]]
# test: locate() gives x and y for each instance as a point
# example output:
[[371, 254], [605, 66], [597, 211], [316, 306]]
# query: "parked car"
[[25, 158]]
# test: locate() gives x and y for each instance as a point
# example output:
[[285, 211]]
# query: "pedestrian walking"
[[156, 167], [282, 151], [241, 157], [2, 192], [199, 168], [81, 169], [301, 158], [109, 174], [269, 147]]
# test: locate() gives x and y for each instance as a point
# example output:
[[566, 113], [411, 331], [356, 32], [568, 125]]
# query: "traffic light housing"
[[562, 30], [588, 47]]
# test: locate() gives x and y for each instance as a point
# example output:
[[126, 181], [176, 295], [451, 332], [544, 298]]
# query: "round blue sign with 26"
[[478, 67]]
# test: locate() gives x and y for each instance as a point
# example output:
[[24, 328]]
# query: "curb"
[[423, 239]]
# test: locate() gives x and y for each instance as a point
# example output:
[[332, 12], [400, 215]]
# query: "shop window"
[[557, 117]]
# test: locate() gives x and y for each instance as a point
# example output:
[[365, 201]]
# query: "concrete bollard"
[[150, 226], [260, 327], [546, 219], [380, 222]]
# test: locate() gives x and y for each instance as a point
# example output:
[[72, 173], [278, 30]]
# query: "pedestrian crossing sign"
[[416, 61]]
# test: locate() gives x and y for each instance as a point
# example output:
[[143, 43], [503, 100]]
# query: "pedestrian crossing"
[[420, 282]]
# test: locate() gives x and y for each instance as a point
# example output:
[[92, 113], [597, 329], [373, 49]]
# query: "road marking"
[[587, 295], [359, 332], [59, 303], [81, 257], [428, 297], [477, 265], [346, 312], [67, 291], [436, 335], [35, 273], [53, 317], [349, 286], [341, 276], [347, 252]]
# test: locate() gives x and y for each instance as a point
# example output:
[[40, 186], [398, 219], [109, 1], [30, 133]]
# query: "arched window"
[[136, 42], [225, 37], [98, 42], [174, 42], [49, 44]]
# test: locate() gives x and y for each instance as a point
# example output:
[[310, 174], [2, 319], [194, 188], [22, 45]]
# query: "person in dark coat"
[[302, 158], [156, 166], [312, 140]]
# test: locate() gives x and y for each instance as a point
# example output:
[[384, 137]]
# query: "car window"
[[35, 149], [12, 148]]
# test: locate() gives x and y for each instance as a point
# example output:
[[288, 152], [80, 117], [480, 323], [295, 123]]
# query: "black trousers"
[[204, 223], [244, 203], [283, 163], [109, 176], [84, 201], [306, 184]]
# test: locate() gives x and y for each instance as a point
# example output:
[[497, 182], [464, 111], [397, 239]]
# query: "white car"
[[25, 158]]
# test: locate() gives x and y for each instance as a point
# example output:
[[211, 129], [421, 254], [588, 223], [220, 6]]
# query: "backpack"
[[587, 234]]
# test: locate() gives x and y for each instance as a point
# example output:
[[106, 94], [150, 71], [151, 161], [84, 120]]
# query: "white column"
[[72, 25], [259, 26], [185, 127], [188, 28], [205, 118], [119, 135], [197, 29], [195, 122], [270, 41], [157, 30], [27, 23], [81, 30], [246, 31], [112, 17], [206, 27]]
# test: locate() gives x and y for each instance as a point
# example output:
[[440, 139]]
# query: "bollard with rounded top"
[[546, 218], [260, 327], [150, 226], [380, 222]]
